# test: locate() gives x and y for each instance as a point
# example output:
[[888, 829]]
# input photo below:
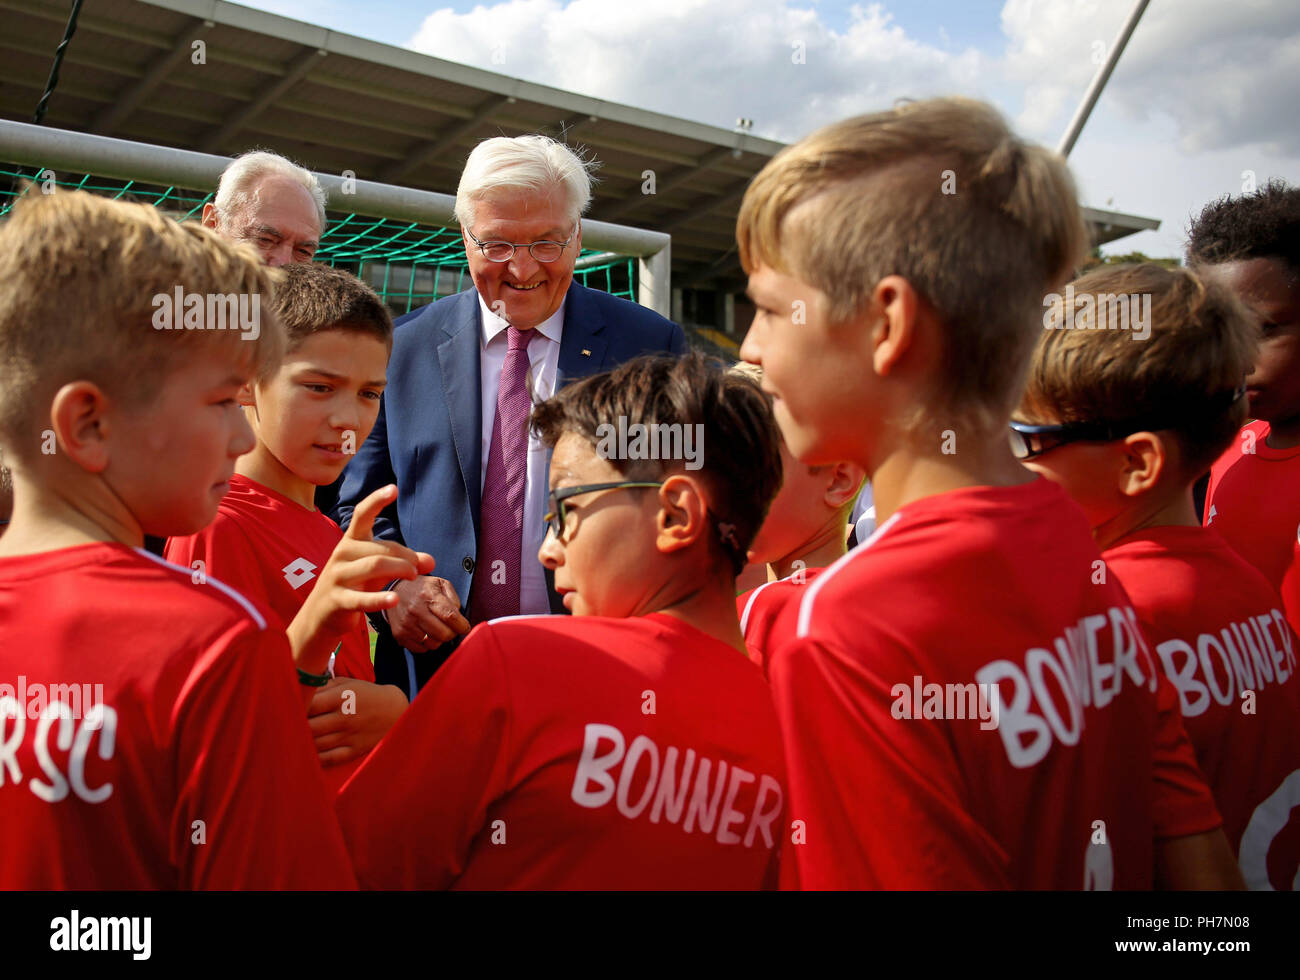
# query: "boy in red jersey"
[[1252, 246], [309, 413], [1126, 428], [151, 729], [988, 707], [632, 745], [805, 530]]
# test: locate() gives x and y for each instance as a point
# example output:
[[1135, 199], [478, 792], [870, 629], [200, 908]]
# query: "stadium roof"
[[337, 102]]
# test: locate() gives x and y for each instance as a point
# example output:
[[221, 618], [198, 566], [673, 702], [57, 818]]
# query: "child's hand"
[[348, 717], [352, 584]]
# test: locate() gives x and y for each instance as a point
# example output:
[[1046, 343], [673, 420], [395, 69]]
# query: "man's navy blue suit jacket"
[[427, 438]]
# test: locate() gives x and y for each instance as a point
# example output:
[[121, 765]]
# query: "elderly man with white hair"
[[271, 203], [452, 430]]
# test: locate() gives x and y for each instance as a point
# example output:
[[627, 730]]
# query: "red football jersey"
[[270, 549], [1253, 501], [588, 753], [1218, 631], [151, 734], [769, 612], [968, 705]]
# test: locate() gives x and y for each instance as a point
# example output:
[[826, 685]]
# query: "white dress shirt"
[[544, 365]]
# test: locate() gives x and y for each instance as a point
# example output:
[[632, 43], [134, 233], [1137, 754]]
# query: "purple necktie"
[[494, 591]]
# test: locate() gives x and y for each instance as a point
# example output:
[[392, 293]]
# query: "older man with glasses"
[[452, 431]]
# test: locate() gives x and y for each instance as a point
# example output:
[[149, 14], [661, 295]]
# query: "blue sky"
[[974, 22], [1203, 102]]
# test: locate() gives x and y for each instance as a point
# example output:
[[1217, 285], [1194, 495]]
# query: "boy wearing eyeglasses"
[[989, 708], [632, 745], [1127, 427]]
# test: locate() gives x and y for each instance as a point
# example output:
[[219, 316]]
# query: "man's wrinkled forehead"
[[277, 199], [520, 204]]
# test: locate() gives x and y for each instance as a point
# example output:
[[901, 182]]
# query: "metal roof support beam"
[[121, 107], [705, 207], [722, 264], [565, 133], [675, 181], [421, 155], [300, 67]]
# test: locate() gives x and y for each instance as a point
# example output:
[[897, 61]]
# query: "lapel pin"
[[585, 352]]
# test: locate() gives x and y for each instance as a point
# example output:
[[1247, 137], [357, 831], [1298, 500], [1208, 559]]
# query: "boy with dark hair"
[[1126, 428], [1252, 246], [309, 413], [151, 730], [963, 706], [633, 745]]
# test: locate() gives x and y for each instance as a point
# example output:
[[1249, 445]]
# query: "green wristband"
[[313, 680]]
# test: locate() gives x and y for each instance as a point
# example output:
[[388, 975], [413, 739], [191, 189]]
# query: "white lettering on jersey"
[[1268, 820], [71, 736], [1241, 657], [298, 572], [1087, 665], [711, 803]]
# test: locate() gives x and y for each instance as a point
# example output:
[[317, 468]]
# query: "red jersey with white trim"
[[1218, 631], [559, 752], [1253, 501], [271, 549], [769, 613], [993, 724], [151, 734]]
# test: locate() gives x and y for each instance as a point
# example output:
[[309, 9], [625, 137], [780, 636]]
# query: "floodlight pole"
[[1100, 79]]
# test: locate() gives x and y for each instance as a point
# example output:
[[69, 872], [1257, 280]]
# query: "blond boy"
[[1126, 426], [938, 732], [151, 730]]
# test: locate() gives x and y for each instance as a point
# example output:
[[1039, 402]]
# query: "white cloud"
[[709, 60], [1227, 73], [1205, 90]]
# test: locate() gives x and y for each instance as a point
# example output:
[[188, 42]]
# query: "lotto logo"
[[298, 571]]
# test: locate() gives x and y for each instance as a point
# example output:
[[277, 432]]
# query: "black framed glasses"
[[555, 520], [1028, 441], [504, 251]]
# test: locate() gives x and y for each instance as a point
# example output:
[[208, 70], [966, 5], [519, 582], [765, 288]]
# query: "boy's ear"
[[79, 418], [246, 396], [894, 333], [845, 483], [1145, 461], [683, 514]]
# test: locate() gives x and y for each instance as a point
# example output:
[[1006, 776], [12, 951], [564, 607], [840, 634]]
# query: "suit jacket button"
[[467, 563]]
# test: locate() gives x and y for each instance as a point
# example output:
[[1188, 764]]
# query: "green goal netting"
[[407, 263]]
